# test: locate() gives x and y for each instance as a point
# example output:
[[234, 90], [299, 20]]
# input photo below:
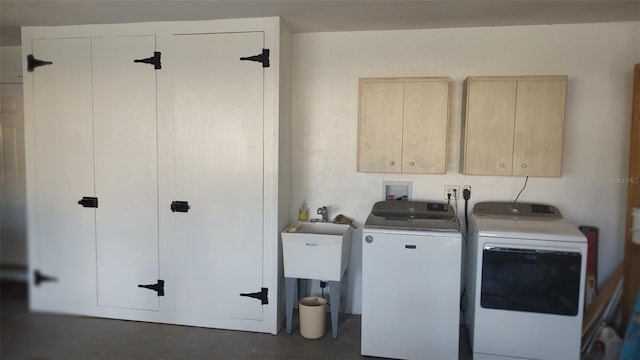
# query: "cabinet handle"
[[524, 166], [502, 165], [411, 163], [392, 162]]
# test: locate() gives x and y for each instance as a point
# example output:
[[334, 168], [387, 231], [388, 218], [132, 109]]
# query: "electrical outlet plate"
[[454, 190], [463, 188]]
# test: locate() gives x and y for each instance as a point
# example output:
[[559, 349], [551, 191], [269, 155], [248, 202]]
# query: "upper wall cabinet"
[[513, 126], [402, 125]]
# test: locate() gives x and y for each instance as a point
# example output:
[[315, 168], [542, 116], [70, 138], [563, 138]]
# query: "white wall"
[[598, 58], [11, 65]]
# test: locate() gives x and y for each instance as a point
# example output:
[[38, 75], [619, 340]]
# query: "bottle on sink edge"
[[303, 212]]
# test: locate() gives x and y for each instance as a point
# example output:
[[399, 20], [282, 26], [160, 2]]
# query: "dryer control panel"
[[511, 209]]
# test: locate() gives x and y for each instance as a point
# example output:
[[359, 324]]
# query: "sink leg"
[[334, 291], [304, 288], [290, 285]]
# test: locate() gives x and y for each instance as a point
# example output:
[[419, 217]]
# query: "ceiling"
[[316, 15]]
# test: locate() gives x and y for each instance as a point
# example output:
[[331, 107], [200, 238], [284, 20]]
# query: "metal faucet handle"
[[323, 211]]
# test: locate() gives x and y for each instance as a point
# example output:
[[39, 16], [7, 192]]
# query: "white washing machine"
[[411, 268], [525, 282]]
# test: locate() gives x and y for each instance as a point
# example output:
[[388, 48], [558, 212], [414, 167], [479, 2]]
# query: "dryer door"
[[530, 280]]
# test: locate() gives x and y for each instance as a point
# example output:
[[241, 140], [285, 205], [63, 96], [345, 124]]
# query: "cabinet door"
[[489, 126], [424, 140], [539, 127], [125, 131], [218, 122], [62, 233], [380, 126]]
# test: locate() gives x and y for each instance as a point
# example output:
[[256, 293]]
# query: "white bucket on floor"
[[313, 317]]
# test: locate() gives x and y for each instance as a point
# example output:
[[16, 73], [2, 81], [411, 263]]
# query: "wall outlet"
[[463, 188], [453, 190]]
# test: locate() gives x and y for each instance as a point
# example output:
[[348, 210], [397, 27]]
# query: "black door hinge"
[[180, 206], [33, 63], [154, 60], [262, 296], [158, 287], [90, 202], [40, 278], [263, 58]]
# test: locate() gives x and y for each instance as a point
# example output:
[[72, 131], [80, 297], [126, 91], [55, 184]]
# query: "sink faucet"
[[323, 211]]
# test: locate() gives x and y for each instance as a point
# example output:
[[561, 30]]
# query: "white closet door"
[[126, 171], [63, 231], [218, 118], [13, 220]]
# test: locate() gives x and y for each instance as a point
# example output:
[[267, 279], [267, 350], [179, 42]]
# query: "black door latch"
[[91, 202], [180, 206]]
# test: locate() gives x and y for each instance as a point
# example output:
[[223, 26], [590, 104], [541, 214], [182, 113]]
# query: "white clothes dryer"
[[525, 282]]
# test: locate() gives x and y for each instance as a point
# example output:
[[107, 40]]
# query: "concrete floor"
[[37, 336]]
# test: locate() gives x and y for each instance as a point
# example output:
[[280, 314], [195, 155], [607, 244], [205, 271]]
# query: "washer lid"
[[413, 215]]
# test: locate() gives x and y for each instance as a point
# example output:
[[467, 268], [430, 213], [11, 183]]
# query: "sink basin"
[[316, 250]]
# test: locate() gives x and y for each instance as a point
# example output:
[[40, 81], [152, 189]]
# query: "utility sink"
[[318, 250]]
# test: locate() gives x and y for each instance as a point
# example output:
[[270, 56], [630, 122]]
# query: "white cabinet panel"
[[410, 290], [126, 171], [218, 115], [62, 171]]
